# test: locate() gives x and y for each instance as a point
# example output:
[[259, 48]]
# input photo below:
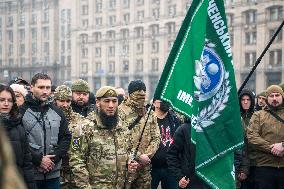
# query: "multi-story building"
[[29, 38], [116, 41], [252, 23]]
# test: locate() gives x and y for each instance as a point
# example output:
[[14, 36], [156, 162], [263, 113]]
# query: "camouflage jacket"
[[151, 137], [99, 155]]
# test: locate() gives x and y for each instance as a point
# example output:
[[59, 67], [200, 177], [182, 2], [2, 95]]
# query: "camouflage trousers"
[[141, 179], [66, 178]]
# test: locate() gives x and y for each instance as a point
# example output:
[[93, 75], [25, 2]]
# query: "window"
[[10, 50], [11, 61], [10, 21], [98, 67], [155, 65], [139, 48], [34, 19], [97, 83], [99, 21], [84, 38], [98, 52], [112, 20], [0, 35], [275, 57], [111, 51], [0, 22], [0, 50], [125, 49], [84, 68], [69, 45], [250, 58], [124, 33], [139, 32], [250, 38], [22, 61], [68, 15], [34, 61], [139, 65], [156, 2], [22, 20], [126, 18], [140, 2], [98, 36], [112, 4], [68, 60], [278, 37], [125, 66], [63, 47], [46, 16], [156, 13], [111, 35], [170, 44], [124, 81], [85, 23], [34, 48], [275, 13], [154, 29], [171, 27], [155, 47], [98, 6], [111, 67], [84, 51], [46, 32], [46, 48], [172, 10], [250, 16], [85, 9], [34, 33], [22, 49], [126, 3], [110, 81], [140, 15], [10, 35], [22, 34], [273, 77]]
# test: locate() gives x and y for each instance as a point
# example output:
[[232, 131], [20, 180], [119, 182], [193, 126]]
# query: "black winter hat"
[[136, 85]]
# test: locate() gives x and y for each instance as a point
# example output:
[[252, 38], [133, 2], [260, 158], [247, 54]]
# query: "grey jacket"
[[48, 134]]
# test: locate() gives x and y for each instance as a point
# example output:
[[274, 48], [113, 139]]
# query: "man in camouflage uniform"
[[9, 176], [62, 99], [81, 98], [132, 113], [99, 153]]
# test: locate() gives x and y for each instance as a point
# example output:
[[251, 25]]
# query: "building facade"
[[252, 23], [29, 38]]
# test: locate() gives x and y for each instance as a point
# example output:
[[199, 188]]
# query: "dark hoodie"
[[20, 146], [246, 115]]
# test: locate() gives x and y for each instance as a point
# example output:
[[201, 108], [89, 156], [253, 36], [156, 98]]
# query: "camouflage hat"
[[263, 93], [106, 91], [282, 86], [274, 89], [80, 85], [62, 92]]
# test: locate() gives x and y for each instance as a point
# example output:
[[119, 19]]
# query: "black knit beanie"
[[136, 85]]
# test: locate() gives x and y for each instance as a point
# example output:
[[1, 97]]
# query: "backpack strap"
[[276, 116]]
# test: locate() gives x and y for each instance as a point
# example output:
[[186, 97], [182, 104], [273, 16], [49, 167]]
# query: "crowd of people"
[[67, 137]]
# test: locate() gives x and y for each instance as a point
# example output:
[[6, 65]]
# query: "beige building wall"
[[252, 24], [29, 38]]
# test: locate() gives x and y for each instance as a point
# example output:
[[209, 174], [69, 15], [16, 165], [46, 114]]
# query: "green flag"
[[198, 80]]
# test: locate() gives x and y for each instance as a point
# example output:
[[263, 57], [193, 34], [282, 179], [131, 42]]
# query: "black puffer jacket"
[[20, 146], [181, 158]]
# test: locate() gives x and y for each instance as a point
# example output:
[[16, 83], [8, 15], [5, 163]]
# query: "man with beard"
[[62, 99], [168, 122], [99, 154], [80, 98], [266, 134], [47, 131], [132, 113], [260, 101]]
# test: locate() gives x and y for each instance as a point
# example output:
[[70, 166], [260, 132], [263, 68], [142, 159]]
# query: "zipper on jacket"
[[44, 137]]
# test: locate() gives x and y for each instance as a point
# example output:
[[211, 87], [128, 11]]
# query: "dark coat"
[[20, 146], [83, 110], [181, 158]]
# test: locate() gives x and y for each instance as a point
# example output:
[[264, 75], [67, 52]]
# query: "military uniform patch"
[[76, 143]]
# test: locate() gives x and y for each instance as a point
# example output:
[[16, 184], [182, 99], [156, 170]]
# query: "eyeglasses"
[[3, 100]]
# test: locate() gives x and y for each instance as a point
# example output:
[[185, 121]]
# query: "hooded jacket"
[[48, 134], [16, 134], [246, 115]]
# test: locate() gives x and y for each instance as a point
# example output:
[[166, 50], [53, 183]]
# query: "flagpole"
[[260, 57]]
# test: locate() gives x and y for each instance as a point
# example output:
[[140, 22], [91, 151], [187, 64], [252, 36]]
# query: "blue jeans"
[[168, 181], [48, 184]]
